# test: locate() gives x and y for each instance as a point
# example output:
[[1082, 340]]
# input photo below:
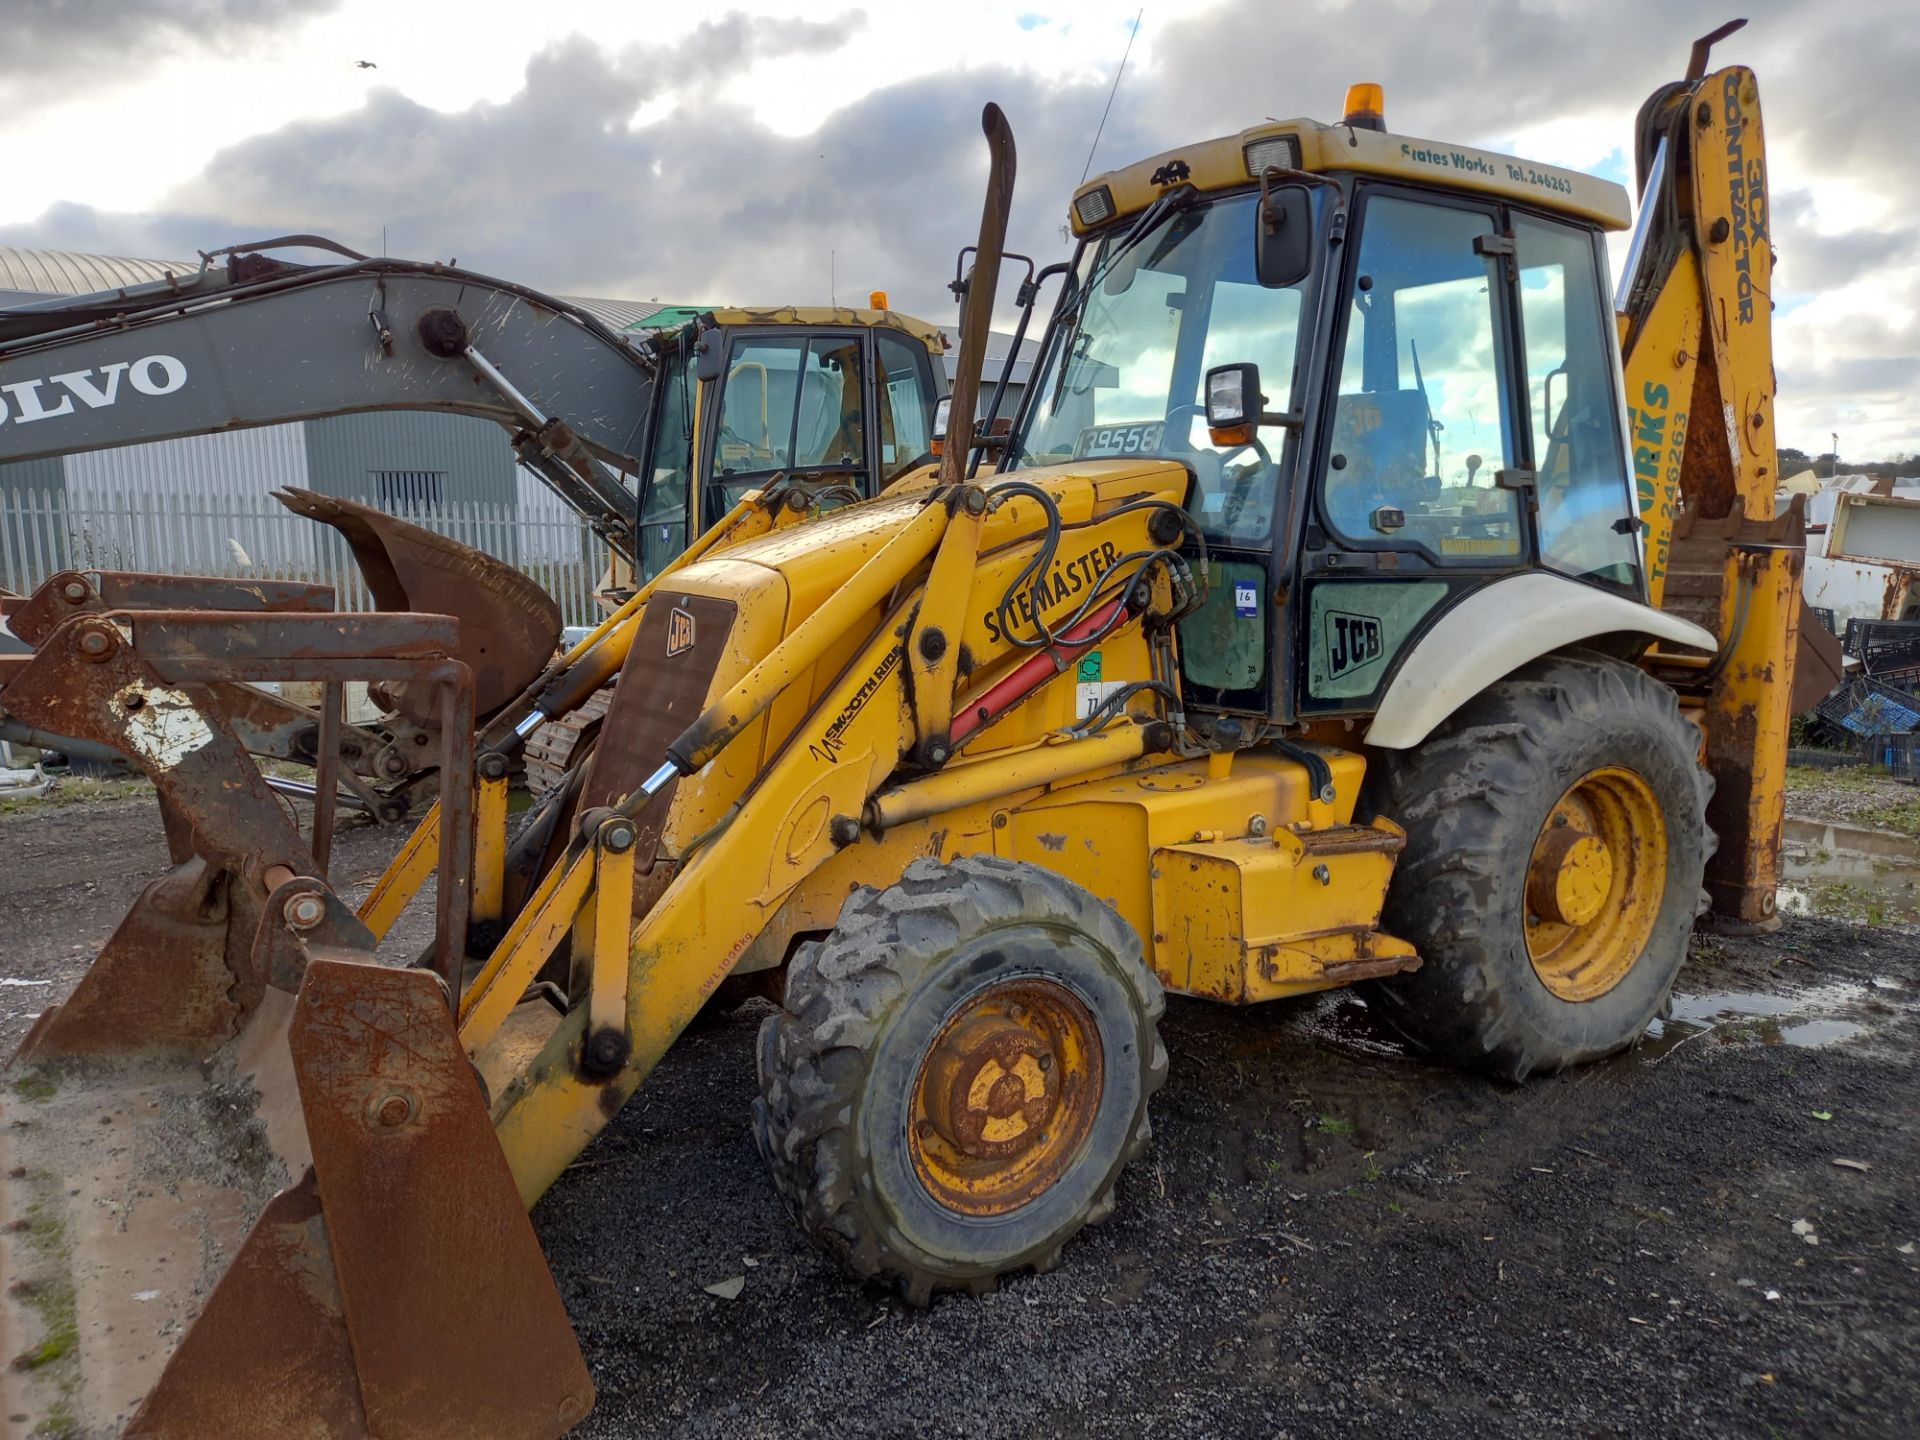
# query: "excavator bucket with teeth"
[[249, 1185], [509, 626]]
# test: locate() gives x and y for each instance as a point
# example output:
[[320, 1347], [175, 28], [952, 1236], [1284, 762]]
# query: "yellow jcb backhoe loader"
[[1302, 639]]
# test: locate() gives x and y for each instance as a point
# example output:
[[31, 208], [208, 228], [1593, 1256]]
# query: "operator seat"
[[1382, 436]]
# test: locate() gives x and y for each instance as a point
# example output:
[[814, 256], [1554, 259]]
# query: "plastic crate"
[[1900, 754], [1883, 645], [1866, 708], [1823, 615]]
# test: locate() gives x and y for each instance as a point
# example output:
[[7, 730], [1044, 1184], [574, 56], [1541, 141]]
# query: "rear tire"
[[1503, 987], [961, 1072]]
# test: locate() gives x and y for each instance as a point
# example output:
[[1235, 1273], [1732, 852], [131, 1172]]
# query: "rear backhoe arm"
[[1695, 315], [261, 341]]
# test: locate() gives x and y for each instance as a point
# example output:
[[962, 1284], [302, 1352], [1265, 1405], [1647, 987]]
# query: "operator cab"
[[1390, 368], [841, 400]]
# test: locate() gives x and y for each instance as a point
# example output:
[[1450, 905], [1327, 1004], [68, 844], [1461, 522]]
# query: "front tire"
[[961, 1072], [1556, 841]]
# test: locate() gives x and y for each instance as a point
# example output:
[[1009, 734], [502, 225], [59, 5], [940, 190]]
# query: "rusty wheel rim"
[[1595, 884], [1005, 1097]]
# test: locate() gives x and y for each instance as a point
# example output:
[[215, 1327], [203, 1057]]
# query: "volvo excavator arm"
[[259, 340], [263, 341]]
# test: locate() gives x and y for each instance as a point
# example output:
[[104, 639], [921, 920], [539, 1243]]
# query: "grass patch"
[[1333, 1125], [54, 1302], [77, 790], [1844, 777], [1903, 816], [35, 1085], [1849, 900]]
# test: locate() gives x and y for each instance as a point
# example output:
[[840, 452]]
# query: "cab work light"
[[1272, 151], [1094, 206]]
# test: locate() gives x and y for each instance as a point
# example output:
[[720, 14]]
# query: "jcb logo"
[[679, 631], [1352, 641]]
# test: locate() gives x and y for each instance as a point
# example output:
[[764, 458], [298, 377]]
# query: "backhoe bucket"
[[249, 1185], [509, 626]]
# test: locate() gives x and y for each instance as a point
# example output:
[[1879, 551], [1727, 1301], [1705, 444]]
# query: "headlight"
[[1280, 150], [1094, 207]]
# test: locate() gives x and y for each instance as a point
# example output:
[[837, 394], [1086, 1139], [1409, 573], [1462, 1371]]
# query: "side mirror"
[[1234, 403], [1236, 408], [942, 412], [708, 351], [1282, 235]]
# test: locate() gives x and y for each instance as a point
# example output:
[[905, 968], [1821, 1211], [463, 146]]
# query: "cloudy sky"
[[695, 153]]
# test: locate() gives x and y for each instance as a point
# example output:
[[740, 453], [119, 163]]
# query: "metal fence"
[[255, 537]]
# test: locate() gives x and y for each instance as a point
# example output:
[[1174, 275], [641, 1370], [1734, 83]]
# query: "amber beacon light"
[[1366, 107]]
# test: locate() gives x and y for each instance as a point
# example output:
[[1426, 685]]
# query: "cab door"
[[1454, 435]]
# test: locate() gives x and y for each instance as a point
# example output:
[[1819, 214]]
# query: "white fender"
[[1496, 630]]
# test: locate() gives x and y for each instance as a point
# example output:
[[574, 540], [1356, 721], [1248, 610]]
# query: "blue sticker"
[[1246, 598]]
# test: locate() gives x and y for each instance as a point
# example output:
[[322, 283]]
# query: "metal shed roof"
[[37, 273], [66, 272]]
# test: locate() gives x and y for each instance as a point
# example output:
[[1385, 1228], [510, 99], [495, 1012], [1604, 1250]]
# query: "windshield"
[[792, 402], [1123, 370]]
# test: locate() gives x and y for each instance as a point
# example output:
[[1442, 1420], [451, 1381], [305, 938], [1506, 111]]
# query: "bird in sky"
[[366, 65]]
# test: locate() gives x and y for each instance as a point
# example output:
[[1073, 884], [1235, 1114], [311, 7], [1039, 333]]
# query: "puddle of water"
[[1818, 1015], [1849, 873], [1811, 1017]]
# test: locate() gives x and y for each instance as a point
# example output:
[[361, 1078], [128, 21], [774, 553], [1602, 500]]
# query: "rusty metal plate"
[[75, 592], [160, 986], [661, 689], [1819, 665], [110, 695], [269, 1355], [509, 626], [456, 1325]]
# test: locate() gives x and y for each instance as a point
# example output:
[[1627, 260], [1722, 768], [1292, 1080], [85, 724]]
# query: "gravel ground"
[[1328, 1236]]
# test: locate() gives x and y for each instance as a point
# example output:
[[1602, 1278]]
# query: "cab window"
[[669, 474], [1572, 407], [1420, 426], [905, 419], [791, 403]]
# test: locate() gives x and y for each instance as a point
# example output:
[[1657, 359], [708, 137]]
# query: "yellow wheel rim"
[[1005, 1097], [1595, 883]]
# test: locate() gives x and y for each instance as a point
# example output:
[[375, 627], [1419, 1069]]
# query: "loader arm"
[[263, 341], [1695, 315]]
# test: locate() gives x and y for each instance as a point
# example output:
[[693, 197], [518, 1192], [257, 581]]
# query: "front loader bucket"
[[509, 626], [249, 1185]]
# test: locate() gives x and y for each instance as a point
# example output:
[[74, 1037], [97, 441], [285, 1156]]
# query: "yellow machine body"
[[815, 696]]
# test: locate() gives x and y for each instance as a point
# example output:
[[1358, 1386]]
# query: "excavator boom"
[[1694, 303], [263, 341]]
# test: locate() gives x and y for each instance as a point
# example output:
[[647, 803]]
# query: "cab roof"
[[1225, 163], [672, 317]]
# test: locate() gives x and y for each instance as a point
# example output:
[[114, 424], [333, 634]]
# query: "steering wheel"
[[1243, 487]]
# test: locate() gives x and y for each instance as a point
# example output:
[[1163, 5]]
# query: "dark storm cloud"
[[50, 48], [553, 188]]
